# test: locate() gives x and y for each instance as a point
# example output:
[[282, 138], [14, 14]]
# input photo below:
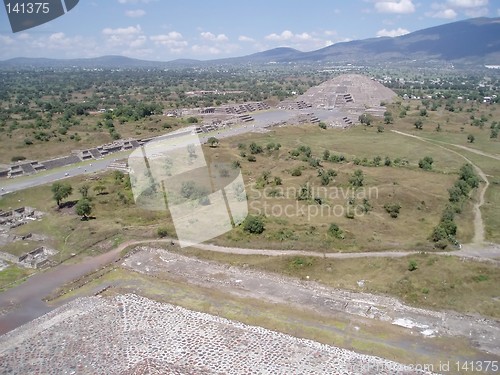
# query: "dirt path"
[[492, 254], [479, 237]]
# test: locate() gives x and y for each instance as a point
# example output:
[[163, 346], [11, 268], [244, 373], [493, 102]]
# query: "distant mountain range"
[[473, 41]]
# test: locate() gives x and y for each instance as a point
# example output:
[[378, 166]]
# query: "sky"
[[165, 30]]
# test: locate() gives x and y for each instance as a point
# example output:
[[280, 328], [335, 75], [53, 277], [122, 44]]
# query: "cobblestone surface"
[[128, 334], [484, 333]]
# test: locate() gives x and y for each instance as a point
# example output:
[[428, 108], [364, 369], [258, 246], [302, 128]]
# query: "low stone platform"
[[128, 334]]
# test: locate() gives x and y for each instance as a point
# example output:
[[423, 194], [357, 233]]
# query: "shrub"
[[326, 155], [426, 163], [297, 172], [255, 148], [253, 224], [412, 265], [335, 231], [251, 158], [357, 178], [393, 209], [17, 158], [162, 232]]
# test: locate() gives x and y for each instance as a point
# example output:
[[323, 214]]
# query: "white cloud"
[[330, 32], [468, 3], [445, 13], [131, 30], [206, 35], [243, 38], [305, 41], [6, 40], [477, 12], [204, 50], [174, 41], [124, 36], [451, 8], [395, 6], [136, 13], [392, 33], [285, 35]]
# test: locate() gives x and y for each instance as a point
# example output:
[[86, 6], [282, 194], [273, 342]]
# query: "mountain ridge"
[[472, 41]]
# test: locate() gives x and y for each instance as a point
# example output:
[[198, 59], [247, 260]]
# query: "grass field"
[[84, 135], [421, 194]]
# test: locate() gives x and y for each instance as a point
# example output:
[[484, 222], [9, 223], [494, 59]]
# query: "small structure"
[[36, 258]]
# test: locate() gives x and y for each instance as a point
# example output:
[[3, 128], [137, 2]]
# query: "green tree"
[[471, 138], [84, 191], [99, 189], [357, 179], [419, 124], [83, 208], [365, 119], [388, 119], [335, 231], [253, 224], [326, 155], [426, 163], [162, 232], [255, 148], [393, 209], [60, 191], [412, 265], [213, 142]]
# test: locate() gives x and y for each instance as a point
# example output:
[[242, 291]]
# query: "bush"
[[326, 155], [17, 158], [393, 209], [322, 125], [357, 178], [336, 232], [251, 158], [426, 163], [162, 232], [255, 148], [297, 172], [412, 265], [253, 224]]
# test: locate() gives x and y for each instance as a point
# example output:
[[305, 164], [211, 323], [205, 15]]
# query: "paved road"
[[21, 183], [92, 166]]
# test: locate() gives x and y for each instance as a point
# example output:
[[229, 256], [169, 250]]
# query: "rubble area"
[[129, 334], [14, 218], [484, 333], [11, 219]]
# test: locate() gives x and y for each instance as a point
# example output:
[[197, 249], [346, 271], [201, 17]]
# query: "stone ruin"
[[12, 219], [15, 218], [36, 258]]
